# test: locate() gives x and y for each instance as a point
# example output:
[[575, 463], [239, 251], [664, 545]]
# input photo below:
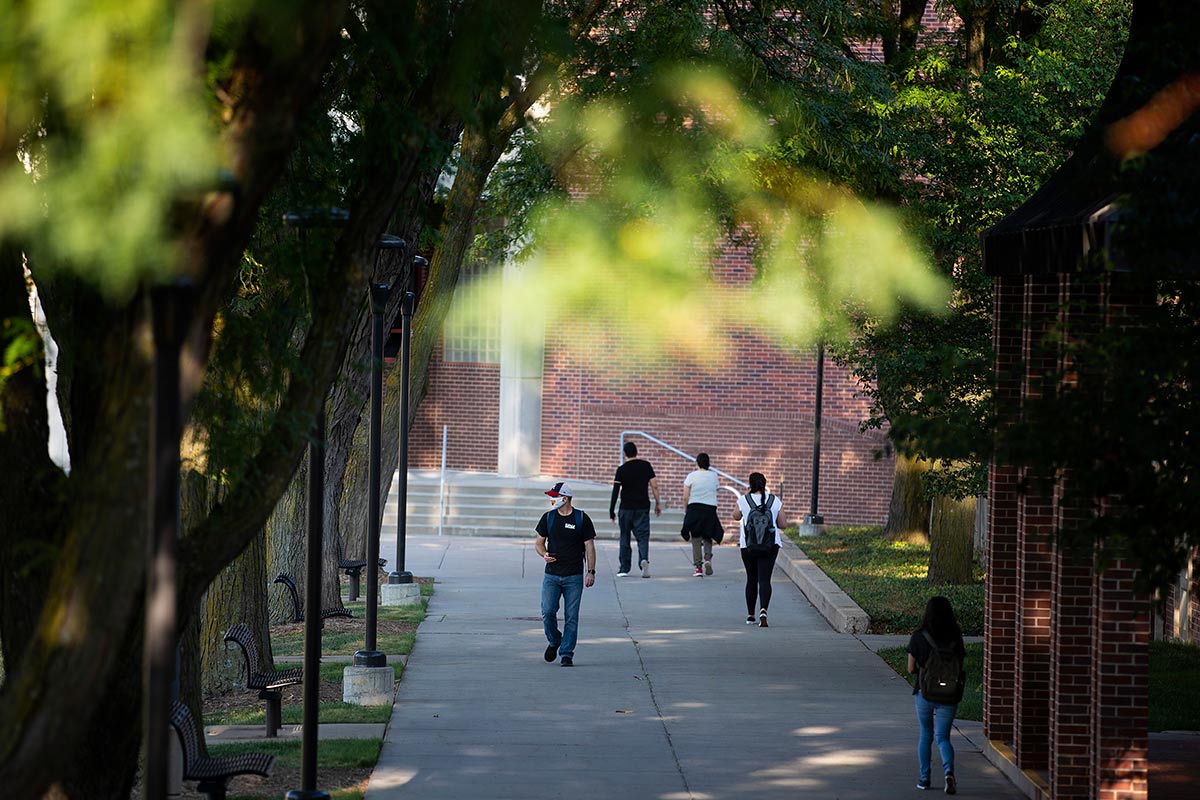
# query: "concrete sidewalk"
[[672, 696]]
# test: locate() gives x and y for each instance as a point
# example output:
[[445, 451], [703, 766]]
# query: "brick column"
[[1119, 687], [1000, 608], [1071, 645], [1121, 631], [1035, 527]]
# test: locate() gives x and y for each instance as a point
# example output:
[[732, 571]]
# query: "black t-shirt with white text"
[[565, 540], [633, 478]]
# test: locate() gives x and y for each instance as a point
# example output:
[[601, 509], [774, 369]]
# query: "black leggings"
[[759, 567]]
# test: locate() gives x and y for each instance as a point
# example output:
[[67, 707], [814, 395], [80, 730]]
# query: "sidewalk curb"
[[842, 613]]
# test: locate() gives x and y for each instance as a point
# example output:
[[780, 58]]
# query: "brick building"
[[548, 411], [1066, 647], [517, 413]]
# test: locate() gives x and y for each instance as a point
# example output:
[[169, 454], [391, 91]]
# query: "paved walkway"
[[673, 696]]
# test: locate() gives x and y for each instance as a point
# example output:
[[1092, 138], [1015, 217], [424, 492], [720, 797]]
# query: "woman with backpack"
[[936, 654], [701, 525], [759, 512]]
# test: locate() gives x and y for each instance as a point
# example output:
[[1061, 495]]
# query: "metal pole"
[[812, 517], [401, 575], [312, 615], [312, 573], [370, 656], [170, 312]]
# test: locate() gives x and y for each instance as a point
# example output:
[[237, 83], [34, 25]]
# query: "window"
[[472, 331]]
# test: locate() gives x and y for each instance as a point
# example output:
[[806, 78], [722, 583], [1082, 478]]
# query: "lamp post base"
[[368, 686], [400, 594], [400, 577], [812, 525], [307, 794]]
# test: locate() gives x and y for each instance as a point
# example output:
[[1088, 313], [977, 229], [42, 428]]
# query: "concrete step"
[[484, 504]]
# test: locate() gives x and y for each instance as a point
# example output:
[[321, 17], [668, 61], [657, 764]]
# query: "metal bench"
[[212, 773], [353, 568], [269, 684], [297, 609]]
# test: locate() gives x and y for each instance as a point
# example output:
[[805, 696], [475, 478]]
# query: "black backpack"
[[760, 527], [942, 678]]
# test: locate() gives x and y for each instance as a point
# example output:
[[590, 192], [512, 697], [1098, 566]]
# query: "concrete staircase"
[[484, 504]]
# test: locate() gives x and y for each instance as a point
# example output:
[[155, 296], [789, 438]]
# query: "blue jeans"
[[636, 523], [570, 588], [935, 719]]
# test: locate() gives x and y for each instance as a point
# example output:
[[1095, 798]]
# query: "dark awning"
[[1068, 219]]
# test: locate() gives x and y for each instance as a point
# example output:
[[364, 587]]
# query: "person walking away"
[[701, 525], [758, 511], [565, 539], [634, 482], [936, 654]]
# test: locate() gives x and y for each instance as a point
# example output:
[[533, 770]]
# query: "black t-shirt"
[[633, 478], [565, 540], [918, 648]]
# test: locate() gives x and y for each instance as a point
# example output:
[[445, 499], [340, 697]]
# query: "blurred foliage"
[[104, 128], [888, 579], [675, 143]]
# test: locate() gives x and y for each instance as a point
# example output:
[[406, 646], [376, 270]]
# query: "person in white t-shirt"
[[759, 565], [701, 525]]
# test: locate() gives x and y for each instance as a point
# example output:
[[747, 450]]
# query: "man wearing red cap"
[[565, 538]]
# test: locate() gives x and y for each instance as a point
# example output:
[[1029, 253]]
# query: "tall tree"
[[72, 653], [981, 120]]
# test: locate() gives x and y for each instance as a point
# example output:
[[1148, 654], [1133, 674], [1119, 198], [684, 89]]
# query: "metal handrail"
[[677, 451]]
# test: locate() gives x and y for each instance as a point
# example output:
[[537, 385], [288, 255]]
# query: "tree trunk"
[[952, 540], [908, 512], [976, 16], [237, 595], [285, 545]]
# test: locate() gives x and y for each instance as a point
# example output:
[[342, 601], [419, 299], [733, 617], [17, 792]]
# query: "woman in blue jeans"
[[935, 718]]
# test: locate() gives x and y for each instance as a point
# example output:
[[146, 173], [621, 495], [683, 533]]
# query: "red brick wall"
[[1077, 705], [1002, 595], [939, 22], [753, 412], [466, 397]]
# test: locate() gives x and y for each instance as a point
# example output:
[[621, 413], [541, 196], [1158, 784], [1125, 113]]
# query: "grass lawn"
[[343, 767], [293, 712], [395, 632], [1174, 684], [888, 579], [396, 626]]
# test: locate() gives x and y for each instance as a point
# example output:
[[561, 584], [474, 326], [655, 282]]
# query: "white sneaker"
[[645, 565], [622, 574]]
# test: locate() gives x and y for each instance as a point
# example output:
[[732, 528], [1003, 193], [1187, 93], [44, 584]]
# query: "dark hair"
[[940, 621], [758, 482], [702, 460], [630, 449]]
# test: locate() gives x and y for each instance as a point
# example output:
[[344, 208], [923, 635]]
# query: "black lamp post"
[[370, 656], [171, 308], [401, 575], [812, 517], [312, 573]]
